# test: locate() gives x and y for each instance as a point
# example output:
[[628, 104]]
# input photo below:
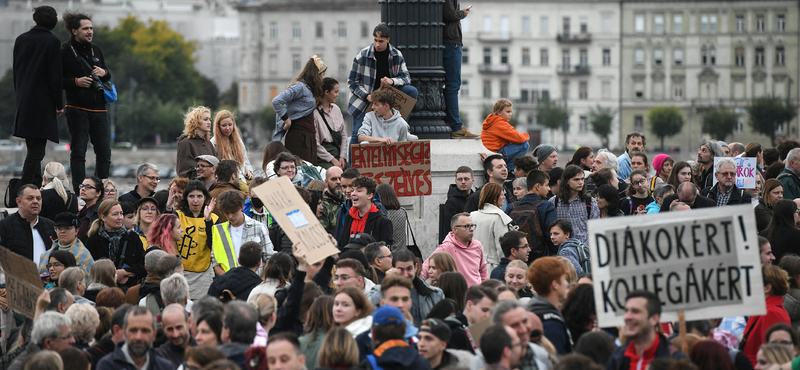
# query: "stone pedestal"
[[446, 157], [417, 31]]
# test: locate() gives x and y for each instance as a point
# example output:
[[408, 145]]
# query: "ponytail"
[[55, 173], [95, 228]]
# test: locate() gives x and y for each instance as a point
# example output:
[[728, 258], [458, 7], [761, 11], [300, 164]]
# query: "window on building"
[[544, 58], [273, 63], [504, 88], [487, 89], [677, 57], [712, 23], [740, 23], [677, 24], [565, 26], [677, 91], [658, 24], [487, 24], [487, 56], [524, 95], [318, 30], [712, 56], [342, 61], [607, 25], [565, 60], [760, 23], [638, 123], [526, 56], [583, 90], [296, 31], [704, 55], [760, 56], [504, 56], [658, 57], [365, 30], [739, 56], [526, 25], [639, 23], [465, 88], [504, 27], [780, 56], [583, 124], [704, 23], [606, 57], [638, 90], [584, 25], [606, 89], [465, 56], [638, 56], [565, 89], [780, 25], [584, 58], [273, 30], [296, 62], [342, 30], [543, 25]]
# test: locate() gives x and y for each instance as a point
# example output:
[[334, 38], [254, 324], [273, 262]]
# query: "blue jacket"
[[391, 356], [295, 102], [569, 249], [553, 325], [652, 208], [499, 272]]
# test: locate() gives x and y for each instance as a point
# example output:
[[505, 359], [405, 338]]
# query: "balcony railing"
[[494, 36], [578, 70], [499, 69], [574, 38]]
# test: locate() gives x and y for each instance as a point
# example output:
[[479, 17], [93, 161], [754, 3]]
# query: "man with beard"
[[494, 167], [456, 199], [705, 162], [512, 315], [135, 352], [635, 142], [502, 348], [173, 320], [332, 198]]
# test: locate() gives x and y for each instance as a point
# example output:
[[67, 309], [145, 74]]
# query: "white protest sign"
[[746, 172], [706, 262]]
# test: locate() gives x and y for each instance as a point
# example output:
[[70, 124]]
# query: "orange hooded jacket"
[[498, 133]]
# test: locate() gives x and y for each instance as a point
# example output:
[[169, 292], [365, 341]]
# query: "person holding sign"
[[726, 192], [384, 124], [364, 216], [776, 285]]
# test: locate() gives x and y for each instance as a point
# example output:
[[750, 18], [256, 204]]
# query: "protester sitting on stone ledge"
[[384, 124]]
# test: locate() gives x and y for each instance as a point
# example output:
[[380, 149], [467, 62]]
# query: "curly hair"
[[192, 121], [578, 310], [228, 147]]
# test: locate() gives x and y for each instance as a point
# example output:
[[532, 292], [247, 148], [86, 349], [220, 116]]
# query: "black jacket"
[[553, 325], [452, 17], [398, 358], [377, 225], [74, 68], [37, 83], [456, 200], [472, 201], [459, 339], [101, 349], [763, 215], [173, 353], [132, 261], [618, 361], [783, 240], [706, 178], [16, 235], [239, 281], [738, 196], [52, 204], [116, 361], [699, 202], [133, 196]]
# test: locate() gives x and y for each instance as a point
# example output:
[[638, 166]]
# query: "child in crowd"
[[384, 124], [499, 136]]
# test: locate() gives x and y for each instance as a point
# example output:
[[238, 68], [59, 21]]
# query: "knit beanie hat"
[[658, 161], [543, 151]]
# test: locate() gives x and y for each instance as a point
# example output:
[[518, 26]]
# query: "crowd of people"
[[199, 275]]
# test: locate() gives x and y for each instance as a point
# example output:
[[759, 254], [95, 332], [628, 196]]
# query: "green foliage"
[[230, 97], [267, 118], [142, 116], [719, 123], [601, 120], [7, 103], [769, 113], [665, 122], [209, 93], [552, 115]]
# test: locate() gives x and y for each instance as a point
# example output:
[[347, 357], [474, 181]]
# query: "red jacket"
[[498, 133], [760, 324]]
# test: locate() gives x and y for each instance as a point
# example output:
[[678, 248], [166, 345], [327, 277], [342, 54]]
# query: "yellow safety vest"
[[193, 246], [223, 247]]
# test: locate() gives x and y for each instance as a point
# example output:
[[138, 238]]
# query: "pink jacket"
[[470, 259]]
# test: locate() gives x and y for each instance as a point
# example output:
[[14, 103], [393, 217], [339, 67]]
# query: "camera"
[[97, 85]]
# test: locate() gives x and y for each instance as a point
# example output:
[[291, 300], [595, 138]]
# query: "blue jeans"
[[511, 151], [358, 119], [452, 83]]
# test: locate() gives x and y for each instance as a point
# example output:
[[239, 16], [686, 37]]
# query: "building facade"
[[697, 55]]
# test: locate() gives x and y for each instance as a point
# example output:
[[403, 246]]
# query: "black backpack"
[[526, 216]]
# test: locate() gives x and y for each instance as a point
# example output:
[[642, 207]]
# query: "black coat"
[[37, 83], [74, 68], [377, 225], [52, 204], [456, 200], [132, 261], [738, 196], [16, 235], [240, 281]]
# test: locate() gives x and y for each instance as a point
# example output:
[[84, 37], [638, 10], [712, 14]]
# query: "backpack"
[[525, 215], [583, 256]]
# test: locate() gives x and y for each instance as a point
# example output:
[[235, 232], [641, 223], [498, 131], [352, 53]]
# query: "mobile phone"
[[469, 7]]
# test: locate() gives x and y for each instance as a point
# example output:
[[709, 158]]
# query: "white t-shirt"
[[39, 246], [236, 238]]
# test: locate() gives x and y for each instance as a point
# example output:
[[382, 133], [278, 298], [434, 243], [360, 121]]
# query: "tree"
[[552, 115], [601, 120], [665, 122], [719, 123], [267, 117], [209, 93], [230, 97], [769, 113], [145, 115]]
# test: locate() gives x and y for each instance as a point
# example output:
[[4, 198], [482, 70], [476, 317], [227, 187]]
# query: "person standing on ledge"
[[452, 17]]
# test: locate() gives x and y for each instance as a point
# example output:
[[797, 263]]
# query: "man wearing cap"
[[206, 169], [359, 242], [147, 181], [67, 233], [433, 337], [391, 351]]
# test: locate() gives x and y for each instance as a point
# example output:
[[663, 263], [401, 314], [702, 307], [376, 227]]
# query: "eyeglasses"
[[386, 256], [111, 191], [728, 174], [342, 277], [204, 166], [287, 168], [640, 182], [54, 264], [153, 178], [87, 187], [468, 227]]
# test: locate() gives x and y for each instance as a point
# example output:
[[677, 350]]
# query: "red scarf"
[[359, 223]]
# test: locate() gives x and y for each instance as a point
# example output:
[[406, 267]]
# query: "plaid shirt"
[[362, 76], [254, 231], [577, 215], [723, 197], [82, 256]]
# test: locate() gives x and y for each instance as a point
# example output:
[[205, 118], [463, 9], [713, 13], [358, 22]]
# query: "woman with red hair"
[[165, 233], [708, 354]]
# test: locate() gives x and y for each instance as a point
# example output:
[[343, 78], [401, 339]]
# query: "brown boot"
[[463, 134]]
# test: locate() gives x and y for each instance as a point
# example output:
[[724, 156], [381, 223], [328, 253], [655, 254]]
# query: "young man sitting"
[[384, 124]]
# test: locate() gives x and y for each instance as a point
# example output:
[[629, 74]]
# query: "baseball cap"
[[214, 161], [387, 315], [359, 241], [437, 327]]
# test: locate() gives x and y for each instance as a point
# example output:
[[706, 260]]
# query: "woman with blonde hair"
[[294, 111], [109, 239], [339, 350], [352, 310], [266, 305], [516, 277], [773, 354], [194, 141], [229, 144], [438, 264], [146, 214], [101, 276], [491, 223], [55, 196], [111, 191]]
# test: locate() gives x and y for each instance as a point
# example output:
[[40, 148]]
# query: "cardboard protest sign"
[[477, 329], [295, 218], [406, 165], [705, 262], [746, 172], [23, 284], [402, 101]]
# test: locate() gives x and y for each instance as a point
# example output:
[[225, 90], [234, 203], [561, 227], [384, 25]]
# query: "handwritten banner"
[[294, 216], [706, 262], [406, 165], [23, 284], [746, 172], [402, 101]]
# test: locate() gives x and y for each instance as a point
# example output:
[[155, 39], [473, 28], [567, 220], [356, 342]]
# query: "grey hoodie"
[[395, 127]]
